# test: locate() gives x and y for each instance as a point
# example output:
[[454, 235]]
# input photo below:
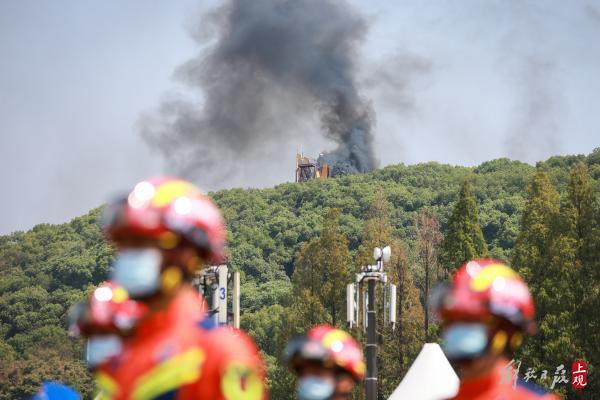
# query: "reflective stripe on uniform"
[[240, 382], [182, 369], [107, 386]]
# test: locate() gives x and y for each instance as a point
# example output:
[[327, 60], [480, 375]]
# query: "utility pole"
[[212, 283], [371, 379], [371, 274]]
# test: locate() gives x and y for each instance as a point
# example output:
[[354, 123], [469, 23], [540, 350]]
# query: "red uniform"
[[172, 357], [497, 385]]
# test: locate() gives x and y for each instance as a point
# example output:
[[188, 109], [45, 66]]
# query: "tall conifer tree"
[[323, 268], [583, 228], [545, 256], [464, 240], [429, 239]]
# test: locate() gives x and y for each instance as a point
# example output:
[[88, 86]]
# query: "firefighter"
[[106, 318], [165, 229], [328, 362], [486, 310]]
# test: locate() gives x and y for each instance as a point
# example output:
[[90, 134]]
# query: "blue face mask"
[[100, 348], [138, 271], [465, 340], [315, 388]]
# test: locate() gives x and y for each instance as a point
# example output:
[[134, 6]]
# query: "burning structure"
[[327, 165], [308, 168], [265, 65]]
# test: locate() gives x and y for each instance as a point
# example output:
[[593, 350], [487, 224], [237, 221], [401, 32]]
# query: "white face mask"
[[315, 388], [138, 271], [100, 348], [465, 340]]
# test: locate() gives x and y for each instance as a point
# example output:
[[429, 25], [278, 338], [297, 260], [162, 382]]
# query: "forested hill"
[[46, 269]]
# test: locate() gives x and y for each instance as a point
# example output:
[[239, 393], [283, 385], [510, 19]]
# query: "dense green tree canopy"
[[48, 268], [556, 252]]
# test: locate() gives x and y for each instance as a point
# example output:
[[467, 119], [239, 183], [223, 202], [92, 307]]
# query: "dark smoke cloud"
[[535, 130], [392, 82], [265, 65]]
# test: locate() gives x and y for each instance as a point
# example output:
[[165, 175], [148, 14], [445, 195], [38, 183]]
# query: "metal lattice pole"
[[371, 379]]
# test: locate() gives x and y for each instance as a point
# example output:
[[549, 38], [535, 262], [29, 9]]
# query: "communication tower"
[[355, 294]]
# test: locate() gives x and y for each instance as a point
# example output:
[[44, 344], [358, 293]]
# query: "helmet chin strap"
[[170, 278], [503, 340], [498, 342], [516, 340]]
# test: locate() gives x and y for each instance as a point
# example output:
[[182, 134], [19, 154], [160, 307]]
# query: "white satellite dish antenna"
[[377, 253], [386, 253]]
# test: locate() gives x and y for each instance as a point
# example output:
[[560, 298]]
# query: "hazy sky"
[[453, 81]]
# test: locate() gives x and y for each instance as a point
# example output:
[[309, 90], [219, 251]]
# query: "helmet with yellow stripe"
[[104, 319], [169, 211], [485, 288], [107, 310], [330, 347]]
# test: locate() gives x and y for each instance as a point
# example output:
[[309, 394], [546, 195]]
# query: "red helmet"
[[108, 310], [484, 288], [331, 347], [168, 210]]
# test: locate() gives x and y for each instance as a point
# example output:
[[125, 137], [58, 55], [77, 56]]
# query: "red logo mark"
[[579, 374]]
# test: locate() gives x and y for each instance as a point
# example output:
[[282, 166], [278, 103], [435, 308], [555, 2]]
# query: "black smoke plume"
[[264, 65]]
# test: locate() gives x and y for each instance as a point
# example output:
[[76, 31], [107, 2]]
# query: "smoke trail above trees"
[[263, 65]]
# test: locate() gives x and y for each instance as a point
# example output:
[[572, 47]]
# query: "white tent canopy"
[[430, 377]]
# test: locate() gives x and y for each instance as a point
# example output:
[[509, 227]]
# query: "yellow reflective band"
[[240, 382], [169, 191], [177, 371], [101, 396], [486, 277], [107, 385]]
